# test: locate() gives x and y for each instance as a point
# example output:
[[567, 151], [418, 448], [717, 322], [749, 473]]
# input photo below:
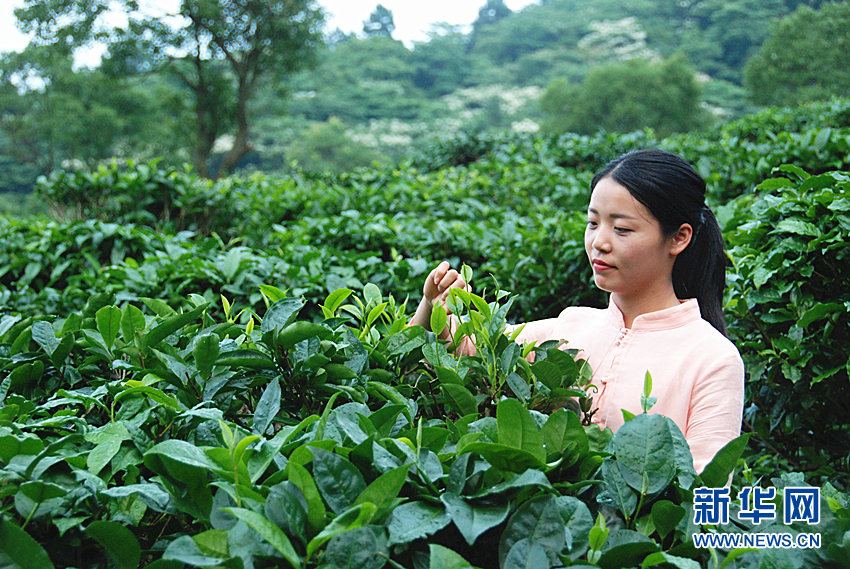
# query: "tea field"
[[221, 374]]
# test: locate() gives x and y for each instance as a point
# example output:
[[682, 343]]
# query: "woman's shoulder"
[[581, 312], [714, 345]]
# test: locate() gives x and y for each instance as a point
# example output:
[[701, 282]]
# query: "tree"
[[360, 80], [489, 14], [804, 59], [54, 115], [441, 64], [218, 50], [739, 27], [380, 23], [623, 97], [326, 147]]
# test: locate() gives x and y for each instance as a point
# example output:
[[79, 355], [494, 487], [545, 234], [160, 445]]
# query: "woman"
[[657, 248]]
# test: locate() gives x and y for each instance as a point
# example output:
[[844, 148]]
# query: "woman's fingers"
[[440, 281], [440, 272]]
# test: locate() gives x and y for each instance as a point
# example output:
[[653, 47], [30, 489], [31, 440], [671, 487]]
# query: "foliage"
[[380, 23], [327, 147], [737, 28], [139, 433], [804, 59], [162, 403], [442, 64], [509, 206], [789, 283], [365, 82], [226, 49], [626, 96], [55, 117]]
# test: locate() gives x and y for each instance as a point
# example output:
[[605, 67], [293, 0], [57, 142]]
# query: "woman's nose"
[[601, 240]]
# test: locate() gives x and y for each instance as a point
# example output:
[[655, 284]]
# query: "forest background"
[[349, 100], [204, 346]]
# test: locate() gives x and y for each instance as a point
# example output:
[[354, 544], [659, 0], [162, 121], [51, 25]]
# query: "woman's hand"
[[439, 282]]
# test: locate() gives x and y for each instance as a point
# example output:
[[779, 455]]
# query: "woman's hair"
[[674, 193]]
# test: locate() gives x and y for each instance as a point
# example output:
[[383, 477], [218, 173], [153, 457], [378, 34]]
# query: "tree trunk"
[[241, 145]]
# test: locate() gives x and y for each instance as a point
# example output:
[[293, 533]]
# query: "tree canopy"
[[804, 59], [627, 96], [217, 51]]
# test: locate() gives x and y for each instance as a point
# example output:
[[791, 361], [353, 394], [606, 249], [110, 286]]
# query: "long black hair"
[[674, 193]]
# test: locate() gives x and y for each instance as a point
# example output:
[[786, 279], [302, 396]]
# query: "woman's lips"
[[601, 265]]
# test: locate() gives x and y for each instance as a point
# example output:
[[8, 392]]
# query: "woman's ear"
[[681, 239]]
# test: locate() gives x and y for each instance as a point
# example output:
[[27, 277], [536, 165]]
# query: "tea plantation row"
[[188, 378]]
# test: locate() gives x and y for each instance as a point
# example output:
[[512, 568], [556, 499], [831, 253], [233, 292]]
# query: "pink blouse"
[[697, 373]]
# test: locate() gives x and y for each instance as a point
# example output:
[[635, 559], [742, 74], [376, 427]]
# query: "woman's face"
[[629, 253]]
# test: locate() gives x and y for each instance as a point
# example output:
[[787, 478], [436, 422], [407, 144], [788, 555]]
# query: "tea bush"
[[790, 296], [135, 434], [162, 404]]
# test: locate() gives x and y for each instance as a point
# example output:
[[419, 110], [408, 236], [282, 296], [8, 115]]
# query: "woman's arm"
[[436, 289], [716, 409]]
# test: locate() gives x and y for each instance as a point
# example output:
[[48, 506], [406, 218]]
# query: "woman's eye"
[[591, 224], [622, 230]]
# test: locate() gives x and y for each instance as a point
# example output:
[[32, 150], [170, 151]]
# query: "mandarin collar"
[[674, 317]]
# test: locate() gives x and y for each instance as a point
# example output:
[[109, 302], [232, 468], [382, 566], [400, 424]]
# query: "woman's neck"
[[644, 302]]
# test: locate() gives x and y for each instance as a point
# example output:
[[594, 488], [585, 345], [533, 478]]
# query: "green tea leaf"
[[459, 399], [269, 532], [354, 517], [21, 550], [132, 319], [281, 314], [186, 550], [42, 333], [504, 457], [339, 481], [526, 554], [206, 353], [267, 407], [439, 318], [563, 430], [300, 331], [517, 429], [617, 491], [716, 472], [119, 542], [415, 520], [170, 325], [662, 558], [646, 402], [359, 548], [538, 521], [335, 300], [286, 507], [273, 293], [245, 358], [666, 515], [109, 324], [471, 519], [299, 476], [626, 548], [152, 392], [384, 491], [645, 453], [372, 294], [444, 558]]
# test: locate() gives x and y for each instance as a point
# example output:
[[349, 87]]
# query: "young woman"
[[657, 248]]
